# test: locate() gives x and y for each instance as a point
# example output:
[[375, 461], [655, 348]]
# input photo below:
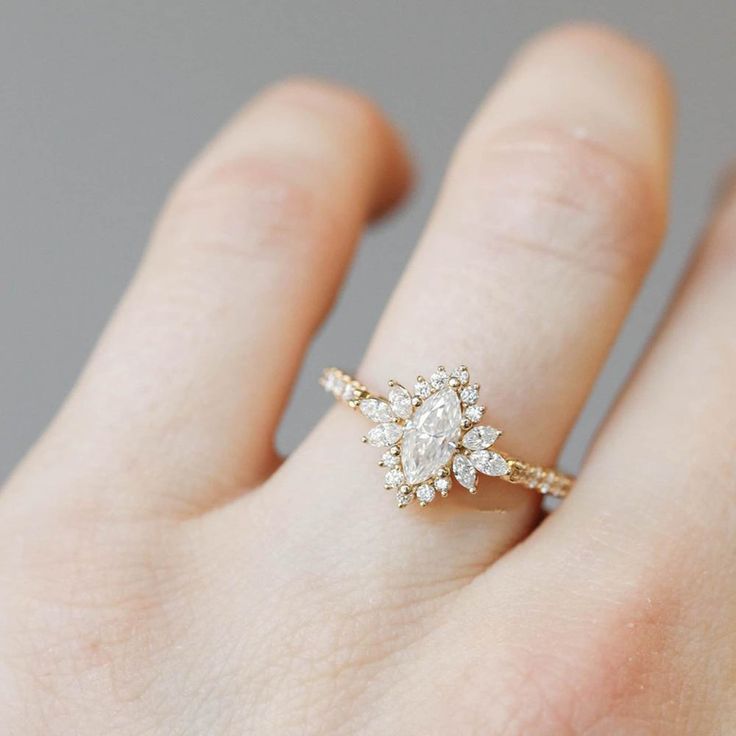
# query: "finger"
[[552, 210], [663, 467], [643, 550], [191, 376]]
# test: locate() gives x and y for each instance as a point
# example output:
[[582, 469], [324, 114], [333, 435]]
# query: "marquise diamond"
[[464, 471], [400, 400], [376, 410], [489, 463], [480, 438], [384, 435], [430, 437]]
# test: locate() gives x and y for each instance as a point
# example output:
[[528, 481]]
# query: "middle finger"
[[551, 213]]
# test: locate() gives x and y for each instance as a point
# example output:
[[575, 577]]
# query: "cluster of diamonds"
[[430, 435]]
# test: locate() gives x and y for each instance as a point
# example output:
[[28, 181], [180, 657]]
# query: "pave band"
[[432, 434]]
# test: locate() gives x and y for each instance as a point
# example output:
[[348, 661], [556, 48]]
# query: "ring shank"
[[544, 480]]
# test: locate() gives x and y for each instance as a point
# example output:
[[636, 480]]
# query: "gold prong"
[[422, 503], [394, 450], [416, 401], [454, 383], [364, 439], [466, 424], [391, 383]]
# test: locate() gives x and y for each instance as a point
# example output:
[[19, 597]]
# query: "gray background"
[[103, 103]]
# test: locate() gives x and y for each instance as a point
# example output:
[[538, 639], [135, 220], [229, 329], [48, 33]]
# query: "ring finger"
[[551, 213]]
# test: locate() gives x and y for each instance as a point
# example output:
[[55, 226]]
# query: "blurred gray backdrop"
[[102, 104]]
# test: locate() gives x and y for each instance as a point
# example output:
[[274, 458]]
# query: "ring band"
[[432, 434]]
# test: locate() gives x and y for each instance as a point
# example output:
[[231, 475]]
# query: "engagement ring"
[[433, 435]]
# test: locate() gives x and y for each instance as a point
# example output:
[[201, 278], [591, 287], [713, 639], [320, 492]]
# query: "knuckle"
[[562, 195], [251, 206], [77, 598]]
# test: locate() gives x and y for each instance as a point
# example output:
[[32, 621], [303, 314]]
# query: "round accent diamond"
[[389, 460], [403, 498], [425, 493], [439, 379], [469, 395], [474, 413], [422, 388], [442, 485], [394, 478], [461, 374]]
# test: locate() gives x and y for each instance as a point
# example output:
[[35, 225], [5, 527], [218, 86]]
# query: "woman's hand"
[[162, 573]]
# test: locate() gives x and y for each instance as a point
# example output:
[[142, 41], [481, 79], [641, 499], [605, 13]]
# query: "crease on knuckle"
[[613, 664], [254, 207], [547, 192]]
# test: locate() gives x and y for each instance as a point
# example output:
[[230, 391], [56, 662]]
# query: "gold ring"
[[433, 435]]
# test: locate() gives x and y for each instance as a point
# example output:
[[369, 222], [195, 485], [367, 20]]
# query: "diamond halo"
[[431, 435]]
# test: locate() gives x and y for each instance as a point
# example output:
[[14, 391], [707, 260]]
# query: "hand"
[[162, 572]]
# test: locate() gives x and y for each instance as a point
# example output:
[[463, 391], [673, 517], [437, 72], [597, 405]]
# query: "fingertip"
[[391, 165], [581, 38], [606, 50]]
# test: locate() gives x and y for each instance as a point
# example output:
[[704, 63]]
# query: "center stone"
[[430, 437]]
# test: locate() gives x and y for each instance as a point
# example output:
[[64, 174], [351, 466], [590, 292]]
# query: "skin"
[[163, 572]]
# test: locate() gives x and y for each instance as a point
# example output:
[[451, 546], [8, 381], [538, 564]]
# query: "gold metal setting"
[[468, 450]]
